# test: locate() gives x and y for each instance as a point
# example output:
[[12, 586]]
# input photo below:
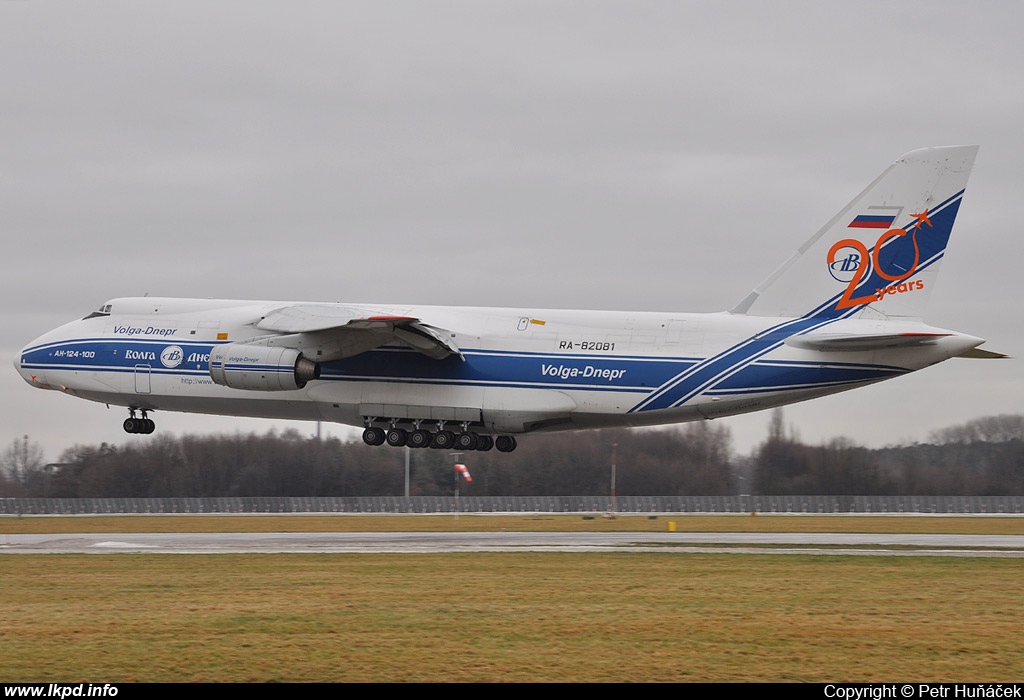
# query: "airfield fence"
[[518, 504]]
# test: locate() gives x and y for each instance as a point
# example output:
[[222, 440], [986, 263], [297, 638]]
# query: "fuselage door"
[[142, 385]]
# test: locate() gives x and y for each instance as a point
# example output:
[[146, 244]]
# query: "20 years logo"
[[849, 261]]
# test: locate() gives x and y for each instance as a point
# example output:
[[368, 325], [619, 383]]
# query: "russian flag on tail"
[[877, 217]]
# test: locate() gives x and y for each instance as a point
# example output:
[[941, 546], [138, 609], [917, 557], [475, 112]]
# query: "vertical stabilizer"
[[880, 254]]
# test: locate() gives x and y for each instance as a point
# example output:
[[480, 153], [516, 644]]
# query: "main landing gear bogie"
[[419, 438]]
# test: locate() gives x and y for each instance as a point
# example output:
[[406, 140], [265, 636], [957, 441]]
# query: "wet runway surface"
[[425, 542]]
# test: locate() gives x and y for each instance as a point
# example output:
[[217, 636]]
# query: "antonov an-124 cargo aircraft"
[[843, 312]]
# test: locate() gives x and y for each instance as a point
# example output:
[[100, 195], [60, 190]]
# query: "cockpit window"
[[102, 311]]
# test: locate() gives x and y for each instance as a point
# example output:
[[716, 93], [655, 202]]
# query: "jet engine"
[[261, 368]]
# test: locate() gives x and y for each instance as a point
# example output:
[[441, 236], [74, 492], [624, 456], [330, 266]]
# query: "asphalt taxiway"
[[423, 542]]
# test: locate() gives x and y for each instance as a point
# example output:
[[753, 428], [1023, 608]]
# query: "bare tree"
[[19, 462]]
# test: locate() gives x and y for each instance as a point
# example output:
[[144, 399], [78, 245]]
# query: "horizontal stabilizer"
[[853, 342], [979, 354]]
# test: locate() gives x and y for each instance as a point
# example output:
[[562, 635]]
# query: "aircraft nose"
[[33, 376], [17, 365], [39, 362], [18, 361]]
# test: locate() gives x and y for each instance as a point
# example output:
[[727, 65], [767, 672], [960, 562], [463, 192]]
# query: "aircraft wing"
[[337, 332], [309, 318]]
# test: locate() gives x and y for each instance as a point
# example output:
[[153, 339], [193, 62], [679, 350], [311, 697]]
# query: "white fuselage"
[[519, 370]]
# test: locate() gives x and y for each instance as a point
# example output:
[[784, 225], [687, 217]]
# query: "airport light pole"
[[614, 445], [455, 460], [406, 471]]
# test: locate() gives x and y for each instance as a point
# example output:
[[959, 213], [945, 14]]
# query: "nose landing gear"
[[138, 426]]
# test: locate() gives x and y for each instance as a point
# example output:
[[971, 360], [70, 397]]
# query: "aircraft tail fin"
[[879, 256]]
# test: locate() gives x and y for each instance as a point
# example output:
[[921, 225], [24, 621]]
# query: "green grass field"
[[510, 617]]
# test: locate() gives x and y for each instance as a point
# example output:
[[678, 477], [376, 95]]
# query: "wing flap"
[[427, 340]]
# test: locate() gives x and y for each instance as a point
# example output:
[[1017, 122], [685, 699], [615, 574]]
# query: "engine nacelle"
[[261, 368]]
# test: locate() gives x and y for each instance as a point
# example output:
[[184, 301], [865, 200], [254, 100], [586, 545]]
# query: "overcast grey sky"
[[616, 155]]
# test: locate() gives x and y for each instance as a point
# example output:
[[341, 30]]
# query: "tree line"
[[983, 457], [692, 460]]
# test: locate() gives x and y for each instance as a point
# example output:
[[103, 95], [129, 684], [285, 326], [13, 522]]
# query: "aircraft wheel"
[[505, 443], [373, 436], [419, 438], [397, 437], [467, 441], [148, 426], [443, 440], [130, 425], [484, 443]]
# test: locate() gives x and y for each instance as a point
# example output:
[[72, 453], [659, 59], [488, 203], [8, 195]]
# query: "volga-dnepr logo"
[[172, 356], [847, 262]]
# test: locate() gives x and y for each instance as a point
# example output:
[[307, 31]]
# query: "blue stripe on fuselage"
[[625, 373], [777, 375], [492, 368], [704, 375], [117, 355]]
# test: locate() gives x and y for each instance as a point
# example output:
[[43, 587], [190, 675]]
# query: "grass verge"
[[509, 617], [980, 525]]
